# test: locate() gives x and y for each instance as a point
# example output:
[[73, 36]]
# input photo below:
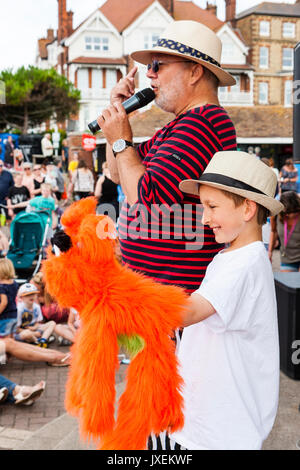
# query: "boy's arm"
[[198, 309], [3, 302]]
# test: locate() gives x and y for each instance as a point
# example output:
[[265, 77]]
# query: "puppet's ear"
[[74, 215], [106, 228]]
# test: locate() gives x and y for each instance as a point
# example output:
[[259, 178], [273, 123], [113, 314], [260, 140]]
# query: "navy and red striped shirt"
[[162, 235]]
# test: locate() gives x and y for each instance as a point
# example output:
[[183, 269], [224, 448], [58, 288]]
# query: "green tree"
[[35, 95]]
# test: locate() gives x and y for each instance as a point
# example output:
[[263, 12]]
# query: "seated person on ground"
[[29, 326]]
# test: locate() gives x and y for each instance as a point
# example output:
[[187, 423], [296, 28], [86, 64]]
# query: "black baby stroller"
[[28, 233]]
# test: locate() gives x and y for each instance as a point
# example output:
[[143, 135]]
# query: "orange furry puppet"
[[116, 303]]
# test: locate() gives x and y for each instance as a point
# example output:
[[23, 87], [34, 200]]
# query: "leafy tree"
[[35, 95]]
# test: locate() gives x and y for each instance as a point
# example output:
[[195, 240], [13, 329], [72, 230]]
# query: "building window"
[[288, 88], [264, 28], [264, 57], [104, 43], [150, 39], [82, 79], [96, 43], [97, 79], [288, 30], [111, 78], [287, 58], [88, 43], [263, 91]]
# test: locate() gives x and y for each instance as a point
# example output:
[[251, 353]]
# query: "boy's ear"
[[250, 209]]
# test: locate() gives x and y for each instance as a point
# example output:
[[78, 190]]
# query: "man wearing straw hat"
[[159, 233]]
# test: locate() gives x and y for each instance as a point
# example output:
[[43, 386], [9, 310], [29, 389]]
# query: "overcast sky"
[[23, 22]]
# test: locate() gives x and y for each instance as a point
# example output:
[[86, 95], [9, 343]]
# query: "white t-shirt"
[[230, 361], [27, 317], [47, 147]]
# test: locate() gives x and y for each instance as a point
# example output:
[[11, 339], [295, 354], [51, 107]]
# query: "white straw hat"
[[239, 173], [191, 40]]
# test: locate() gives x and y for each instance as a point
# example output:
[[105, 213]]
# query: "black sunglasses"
[[157, 63]]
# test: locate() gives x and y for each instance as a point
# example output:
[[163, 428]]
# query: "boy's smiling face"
[[220, 213]]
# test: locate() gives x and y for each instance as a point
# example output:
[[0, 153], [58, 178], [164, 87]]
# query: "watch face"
[[119, 145]]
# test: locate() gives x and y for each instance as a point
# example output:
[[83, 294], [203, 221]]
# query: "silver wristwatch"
[[120, 145]]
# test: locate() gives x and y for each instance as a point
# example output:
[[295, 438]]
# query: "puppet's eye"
[[62, 241]]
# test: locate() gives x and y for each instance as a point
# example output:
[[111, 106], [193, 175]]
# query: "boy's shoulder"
[[243, 261]]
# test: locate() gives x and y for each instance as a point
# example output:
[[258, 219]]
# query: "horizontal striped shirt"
[[162, 235]]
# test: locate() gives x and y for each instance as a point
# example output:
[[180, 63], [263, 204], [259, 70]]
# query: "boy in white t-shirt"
[[229, 353]]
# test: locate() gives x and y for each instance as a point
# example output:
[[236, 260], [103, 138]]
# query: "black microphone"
[[140, 99]]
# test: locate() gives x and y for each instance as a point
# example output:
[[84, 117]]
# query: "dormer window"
[[88, 43], [150, 39], [96, 43]]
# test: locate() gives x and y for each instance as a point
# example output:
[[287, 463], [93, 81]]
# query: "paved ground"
[[17, 423]]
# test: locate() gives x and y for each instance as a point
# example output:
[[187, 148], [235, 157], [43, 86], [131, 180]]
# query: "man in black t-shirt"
[[18, 196]]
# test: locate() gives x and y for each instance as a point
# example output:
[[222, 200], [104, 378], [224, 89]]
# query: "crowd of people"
[[30, 319]]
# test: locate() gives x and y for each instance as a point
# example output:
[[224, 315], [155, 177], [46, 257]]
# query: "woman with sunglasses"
[[38, 179]]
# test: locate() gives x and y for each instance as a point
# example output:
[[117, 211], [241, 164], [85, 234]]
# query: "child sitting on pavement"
[[30, 327], [8, 293], [229, 352], [68, 332]]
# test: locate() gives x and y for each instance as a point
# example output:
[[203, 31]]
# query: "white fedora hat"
[[239, 173], [191, 40]]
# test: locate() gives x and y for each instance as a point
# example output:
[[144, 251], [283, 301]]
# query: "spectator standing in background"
[[288, 176], [17, 197], [9, 152], [6, 181], [28, 178], [47, 147]]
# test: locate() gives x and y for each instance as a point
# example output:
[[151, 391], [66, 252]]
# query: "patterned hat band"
[[183, 49]]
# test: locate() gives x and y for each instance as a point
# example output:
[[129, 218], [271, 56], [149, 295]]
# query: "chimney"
[[230, 11], [65, 20], [212, 7], [169, 6], [70, 23]]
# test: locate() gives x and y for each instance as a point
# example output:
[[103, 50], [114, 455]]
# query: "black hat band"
[[230, 182]]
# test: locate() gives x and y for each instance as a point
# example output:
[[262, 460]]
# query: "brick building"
[[271, 30], [96, 53]]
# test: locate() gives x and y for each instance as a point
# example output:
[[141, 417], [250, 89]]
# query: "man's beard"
[[168, 95]]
